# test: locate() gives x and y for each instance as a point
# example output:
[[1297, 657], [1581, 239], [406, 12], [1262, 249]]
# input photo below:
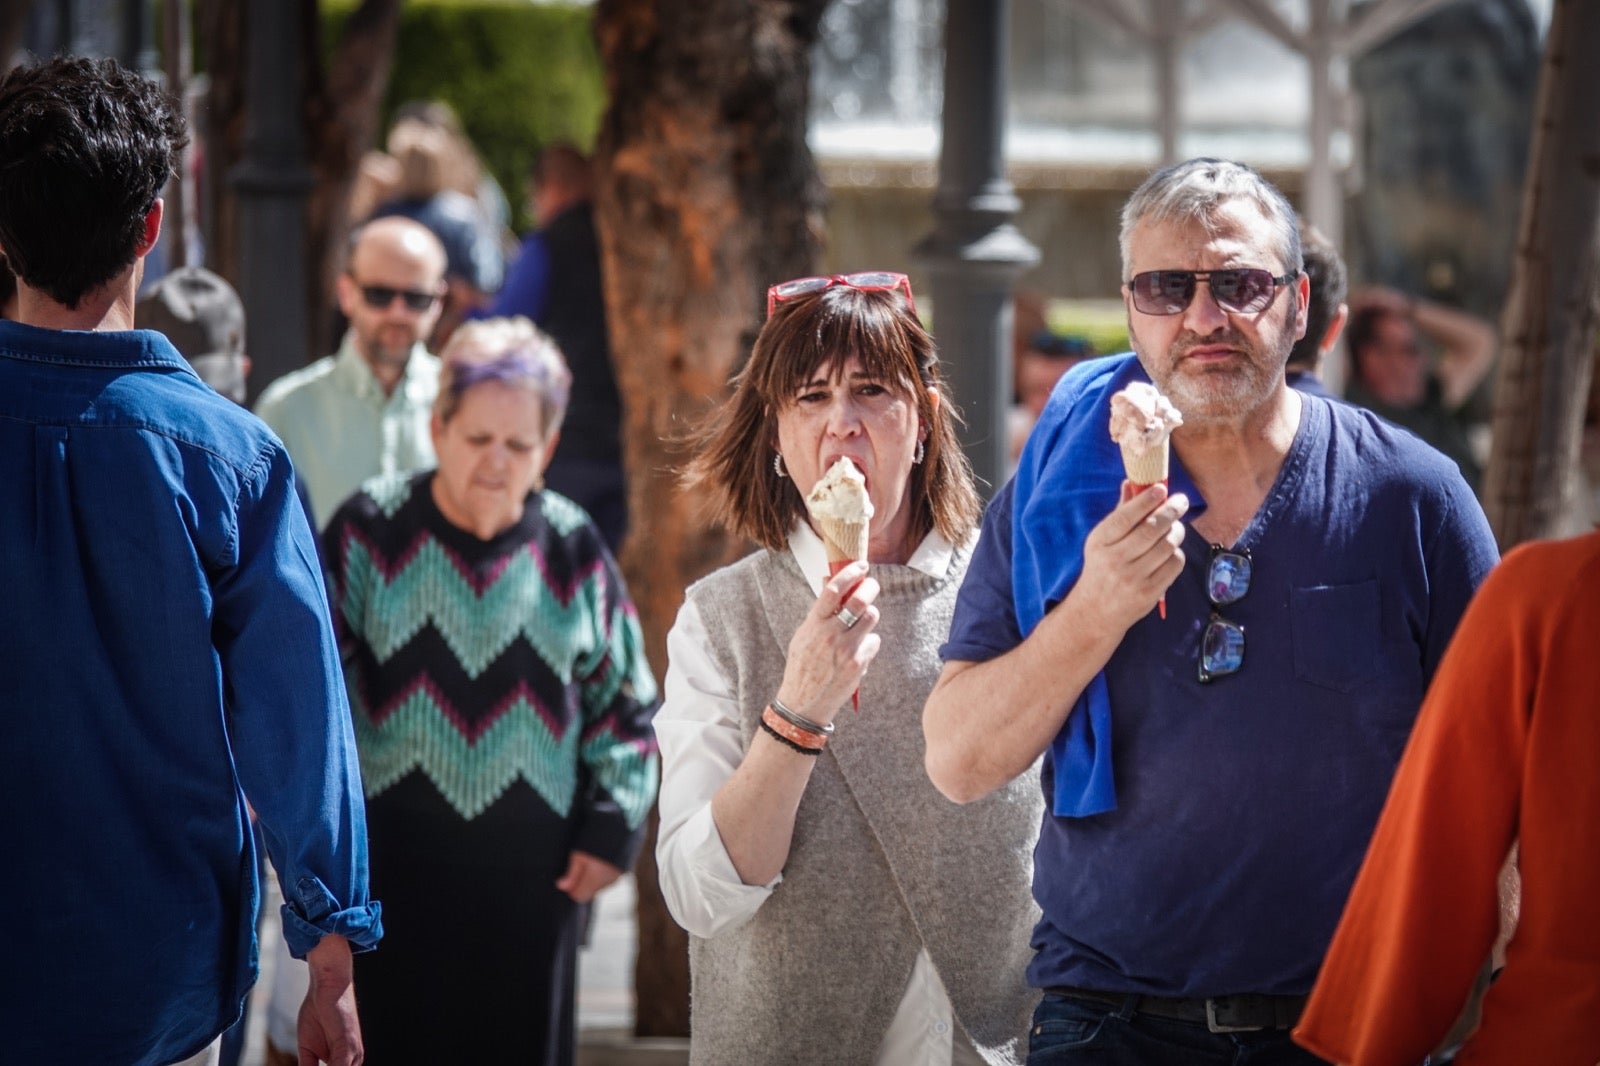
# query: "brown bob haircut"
[[818, 333]]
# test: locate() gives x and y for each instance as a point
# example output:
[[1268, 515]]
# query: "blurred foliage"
[[519, 74], [1103, 323]]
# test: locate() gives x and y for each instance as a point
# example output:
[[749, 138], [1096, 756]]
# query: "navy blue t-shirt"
[[1244, 805]]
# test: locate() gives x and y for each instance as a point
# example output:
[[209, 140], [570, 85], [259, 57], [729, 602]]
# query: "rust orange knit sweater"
[[1507, 747]]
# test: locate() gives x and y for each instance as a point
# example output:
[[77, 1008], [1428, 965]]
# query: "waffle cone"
[[1149, 468], [844, 541]]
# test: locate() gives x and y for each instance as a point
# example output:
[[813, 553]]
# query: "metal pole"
[[273, 181], [974, 254], [1166, 49], [180, 190], [1323, 200]]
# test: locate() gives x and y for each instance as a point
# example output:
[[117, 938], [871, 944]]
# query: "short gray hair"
[[1194, 190], [512, 351]]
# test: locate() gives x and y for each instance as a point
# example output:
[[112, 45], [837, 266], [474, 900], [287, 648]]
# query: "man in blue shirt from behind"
[[1212, 770], [165, 649]]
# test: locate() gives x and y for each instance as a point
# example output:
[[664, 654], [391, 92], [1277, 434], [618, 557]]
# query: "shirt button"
[[941, 1028]]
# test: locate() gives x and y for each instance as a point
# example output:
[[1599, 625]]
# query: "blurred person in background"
[[502, 708], [1326, 312], [465, 171], [1048, 356], [556, 281], [365, 410], [1416, 363], [475, 262]]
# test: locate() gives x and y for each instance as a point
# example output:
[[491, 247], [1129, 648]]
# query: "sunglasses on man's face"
[[870, 281], [1246, 291], [379, 297], [1222, 643]]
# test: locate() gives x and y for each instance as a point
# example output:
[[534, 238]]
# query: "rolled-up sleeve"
[[701, 746], [284, 690]]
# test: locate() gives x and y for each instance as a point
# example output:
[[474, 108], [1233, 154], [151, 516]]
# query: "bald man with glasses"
[[364, 411], [1212, 775]]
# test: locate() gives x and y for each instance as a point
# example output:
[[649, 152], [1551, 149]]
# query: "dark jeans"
[[1072, 1031]]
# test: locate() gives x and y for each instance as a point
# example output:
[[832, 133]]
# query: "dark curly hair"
[[85, 148]]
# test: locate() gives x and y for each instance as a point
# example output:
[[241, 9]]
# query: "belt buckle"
[[1217, 1027]]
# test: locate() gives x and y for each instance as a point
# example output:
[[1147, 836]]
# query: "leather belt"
[[1220, 1014]]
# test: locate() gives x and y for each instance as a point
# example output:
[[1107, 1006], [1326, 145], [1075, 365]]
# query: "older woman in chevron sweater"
[[502, 710], [841, 911]]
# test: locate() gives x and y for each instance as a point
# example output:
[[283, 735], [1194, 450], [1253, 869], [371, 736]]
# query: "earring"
[[917, 456], [777, 465]]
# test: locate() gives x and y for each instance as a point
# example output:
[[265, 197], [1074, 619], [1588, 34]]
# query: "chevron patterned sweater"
[[478, 663]]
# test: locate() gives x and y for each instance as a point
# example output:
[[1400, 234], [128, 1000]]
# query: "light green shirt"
[[341, 429]]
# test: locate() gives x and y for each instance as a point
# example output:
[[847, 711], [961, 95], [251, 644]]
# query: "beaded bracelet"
[[786, 742], [800, 721], [804, 737]]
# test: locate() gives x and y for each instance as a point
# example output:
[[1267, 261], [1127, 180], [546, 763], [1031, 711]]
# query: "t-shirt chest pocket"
[[1337, 633]]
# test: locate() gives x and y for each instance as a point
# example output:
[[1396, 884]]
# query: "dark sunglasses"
[[1168, 292], [870, 281], [1222, 643], [379, 297]]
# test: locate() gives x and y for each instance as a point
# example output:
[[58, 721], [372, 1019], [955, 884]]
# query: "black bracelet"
[[786, 742], [800, 721]]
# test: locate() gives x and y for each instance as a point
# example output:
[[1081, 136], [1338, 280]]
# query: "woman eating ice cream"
[[840, 909]]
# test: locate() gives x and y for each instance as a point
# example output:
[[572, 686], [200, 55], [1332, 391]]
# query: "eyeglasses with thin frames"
[[1222, 643], [869, 281], [1244, 291]]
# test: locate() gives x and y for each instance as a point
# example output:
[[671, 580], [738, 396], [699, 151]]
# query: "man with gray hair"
[[1208, 808]]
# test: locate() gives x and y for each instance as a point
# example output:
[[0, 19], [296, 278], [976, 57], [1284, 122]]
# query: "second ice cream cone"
[[1150, 468]]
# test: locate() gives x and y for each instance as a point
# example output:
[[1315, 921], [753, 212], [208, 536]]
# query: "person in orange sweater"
[[1505, 749]]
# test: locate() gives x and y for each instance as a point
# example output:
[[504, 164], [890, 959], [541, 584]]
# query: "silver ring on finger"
[[847, 617]]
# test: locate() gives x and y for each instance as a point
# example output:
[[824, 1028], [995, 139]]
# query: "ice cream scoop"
[[842, 510], [1142, 421]]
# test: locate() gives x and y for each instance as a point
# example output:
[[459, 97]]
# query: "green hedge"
[[1103, 323], [519, 74]]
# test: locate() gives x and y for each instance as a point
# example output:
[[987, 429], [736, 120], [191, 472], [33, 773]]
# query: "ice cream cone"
[[845, 541], [1150, 468]]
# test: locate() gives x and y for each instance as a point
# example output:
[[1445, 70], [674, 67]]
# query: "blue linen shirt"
[[165, 652], [1244, 805]]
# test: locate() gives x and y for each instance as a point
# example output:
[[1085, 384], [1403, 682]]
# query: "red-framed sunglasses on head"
[[870, 281]]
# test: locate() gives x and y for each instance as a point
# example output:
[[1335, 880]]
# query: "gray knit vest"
[[881, 865]]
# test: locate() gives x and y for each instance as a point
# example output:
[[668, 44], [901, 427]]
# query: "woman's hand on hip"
[[830, 651]]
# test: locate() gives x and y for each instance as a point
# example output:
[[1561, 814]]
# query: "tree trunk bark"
[[342, 105], [706, 194], [1548, 330]]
